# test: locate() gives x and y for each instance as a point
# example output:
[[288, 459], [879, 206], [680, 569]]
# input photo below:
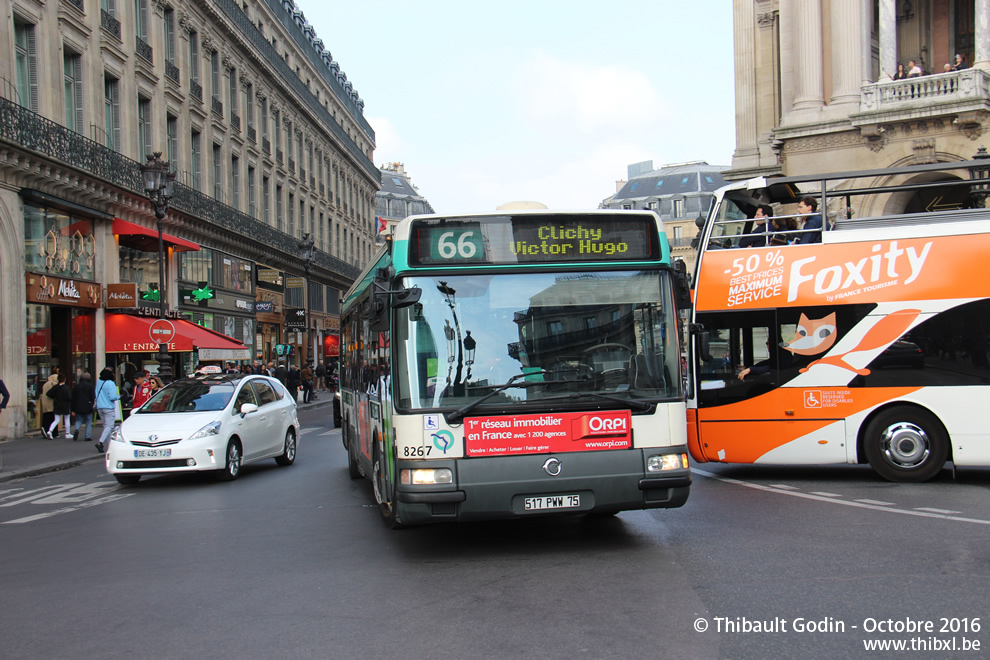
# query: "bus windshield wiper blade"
[[632, 403], [456, 416]]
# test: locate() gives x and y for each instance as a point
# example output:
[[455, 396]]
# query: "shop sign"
[[295, 319], [264, 306], [295, 282], [58, 291], [269, 276], [156, 312], [331, 323], [122, 296]]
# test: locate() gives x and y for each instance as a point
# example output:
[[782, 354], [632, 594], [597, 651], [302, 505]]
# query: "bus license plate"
[[152, 453], [552, 502]]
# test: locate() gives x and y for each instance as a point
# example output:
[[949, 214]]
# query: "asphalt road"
[[294, 563]]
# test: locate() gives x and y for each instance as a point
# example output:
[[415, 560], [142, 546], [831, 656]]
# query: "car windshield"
[[553, 334], [189, 396]]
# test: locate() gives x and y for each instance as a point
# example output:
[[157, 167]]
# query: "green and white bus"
[[516, 363]]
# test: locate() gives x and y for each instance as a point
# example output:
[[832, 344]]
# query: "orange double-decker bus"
[[861, 339]]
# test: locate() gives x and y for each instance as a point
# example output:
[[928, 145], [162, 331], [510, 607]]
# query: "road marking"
[[784, 487], [309, 430], [819, 498], [927, 508], [69, 509], [814, 492], [877, 502]]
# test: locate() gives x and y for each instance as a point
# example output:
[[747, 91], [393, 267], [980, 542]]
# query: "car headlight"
[[211, 429], [116, 435], [663, 462]]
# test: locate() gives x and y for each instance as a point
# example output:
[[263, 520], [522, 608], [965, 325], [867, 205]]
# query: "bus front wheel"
[[383, 488], [906, 444]]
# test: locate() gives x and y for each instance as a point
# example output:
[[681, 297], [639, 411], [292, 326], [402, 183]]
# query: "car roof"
[[233, 379]]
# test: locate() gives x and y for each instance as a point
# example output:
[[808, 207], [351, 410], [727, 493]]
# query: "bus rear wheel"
[[906, 444]]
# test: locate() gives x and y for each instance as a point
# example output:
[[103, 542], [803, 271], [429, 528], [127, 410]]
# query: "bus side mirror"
[[682, 286], [406, 297], [701, 341]]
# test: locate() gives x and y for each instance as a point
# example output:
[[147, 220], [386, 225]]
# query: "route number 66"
[[465, 248]]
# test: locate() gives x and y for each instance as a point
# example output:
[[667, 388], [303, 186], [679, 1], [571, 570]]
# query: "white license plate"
[[152, 453], [552, 502]]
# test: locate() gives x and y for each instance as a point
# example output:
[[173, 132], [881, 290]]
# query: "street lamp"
[[307, 251], [981, 173], [159, 184]]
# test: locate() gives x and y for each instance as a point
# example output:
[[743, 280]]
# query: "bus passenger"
[[812, 221], [757, 237]]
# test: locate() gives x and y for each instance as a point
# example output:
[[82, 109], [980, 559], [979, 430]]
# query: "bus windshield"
[[563, 337]]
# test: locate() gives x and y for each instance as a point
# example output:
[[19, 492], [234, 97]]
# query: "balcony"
[[266, 145], [278, 156], [142, 48], [196, 90], [31, 132], [252, 134], [109, 24], [292, 165], [172, 72], [217, 107], [963, 95]]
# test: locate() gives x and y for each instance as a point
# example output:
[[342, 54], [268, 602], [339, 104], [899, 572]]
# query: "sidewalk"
[[33, 454]]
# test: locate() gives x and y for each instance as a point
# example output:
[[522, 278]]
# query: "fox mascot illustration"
[[817, 336]]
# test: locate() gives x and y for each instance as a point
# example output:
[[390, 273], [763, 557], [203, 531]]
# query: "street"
[[294, 562]]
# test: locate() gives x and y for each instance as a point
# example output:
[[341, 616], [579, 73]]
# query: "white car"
[[208, 422]]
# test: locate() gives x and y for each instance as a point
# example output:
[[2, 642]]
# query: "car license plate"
[[552, 502], [152, 453]]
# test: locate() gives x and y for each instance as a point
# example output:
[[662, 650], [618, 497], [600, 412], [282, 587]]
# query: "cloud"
[[588, 98]]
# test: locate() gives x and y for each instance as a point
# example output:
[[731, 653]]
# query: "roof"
[[681, 179]]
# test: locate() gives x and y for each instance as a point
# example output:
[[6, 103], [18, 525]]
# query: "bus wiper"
[[456, 416], [632, 403]]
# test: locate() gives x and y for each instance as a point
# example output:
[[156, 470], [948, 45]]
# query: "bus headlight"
[[426, 476], [662, 462]]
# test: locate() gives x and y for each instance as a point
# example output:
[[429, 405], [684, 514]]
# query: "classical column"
[[744, 49], [866, 43], [981, 57], [846, 31], [809, 80], [888, 39]]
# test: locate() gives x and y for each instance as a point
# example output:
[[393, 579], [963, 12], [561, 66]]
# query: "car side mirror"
[[248, 408]]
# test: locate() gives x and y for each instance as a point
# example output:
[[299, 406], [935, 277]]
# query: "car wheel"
[[232, 466], [906, 444], [288, 456], [383, 489], [127, 479]]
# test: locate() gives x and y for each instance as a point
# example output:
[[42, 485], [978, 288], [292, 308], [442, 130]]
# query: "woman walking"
[[83, 404], [61, 397], [106, 396]]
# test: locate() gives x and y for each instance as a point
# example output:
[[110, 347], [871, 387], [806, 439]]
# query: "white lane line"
[[928, 508], [876, 502], [784, 487], [819, 498], [69, 509], [823, 494]]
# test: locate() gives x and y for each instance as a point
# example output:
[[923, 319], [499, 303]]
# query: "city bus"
[[864, 342], [516, 363]]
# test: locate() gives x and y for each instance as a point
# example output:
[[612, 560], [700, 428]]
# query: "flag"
[[381, 225]]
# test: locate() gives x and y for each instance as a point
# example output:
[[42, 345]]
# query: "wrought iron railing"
[[109, 23], [235, 120], [29, 130], [78, 4], [252, 134], [217, 106], [195, 90], [172, 72], [292, 165], [278, 156], [266, 145], [143, 48]]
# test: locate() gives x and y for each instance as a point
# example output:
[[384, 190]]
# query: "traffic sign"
[[161, 331]]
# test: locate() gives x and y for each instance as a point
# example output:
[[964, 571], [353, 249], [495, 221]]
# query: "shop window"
[[59, 244]]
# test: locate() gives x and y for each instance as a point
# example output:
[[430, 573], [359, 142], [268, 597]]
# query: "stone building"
[[815, 88], [679, 193], [397, 199], [268, 139]]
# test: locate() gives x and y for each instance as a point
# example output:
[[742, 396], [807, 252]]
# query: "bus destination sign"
[[533, 239]]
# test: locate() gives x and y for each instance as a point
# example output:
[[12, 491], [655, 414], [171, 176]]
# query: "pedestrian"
[[106, 398], [47, 409], [307, 383], [83, 406], [4, 395], [142, 390], [61, 397], [292, 382], [156, 385], [321, 376], [281, 373]]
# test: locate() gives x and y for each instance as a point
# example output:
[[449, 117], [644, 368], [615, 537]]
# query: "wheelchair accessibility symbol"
[[812, 399]]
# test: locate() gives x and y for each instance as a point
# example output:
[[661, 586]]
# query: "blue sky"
[[539, 100]]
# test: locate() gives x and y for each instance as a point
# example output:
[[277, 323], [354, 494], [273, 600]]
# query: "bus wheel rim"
[[906, 445]]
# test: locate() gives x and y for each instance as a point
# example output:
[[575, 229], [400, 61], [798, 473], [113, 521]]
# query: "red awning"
[[130, 334], [146, 239]]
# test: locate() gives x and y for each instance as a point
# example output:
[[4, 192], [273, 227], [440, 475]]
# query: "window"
[[279, 210], [264, 118], [678, 231], [634, 186], [292, 218], [217, 172], [196, 266], [26, 54], [194, 57], [72, 75], [590, 323], [111, 111], [555, 328], [677, 208], [215, 74], [249, 108], [397, 181], [144, 128], [277, 116], [323, 234], [141, 19], [170, 35], [235, 182], [232, 96], [266, 207], [171, 138], [252, 205], [196, 158], [659, 183]]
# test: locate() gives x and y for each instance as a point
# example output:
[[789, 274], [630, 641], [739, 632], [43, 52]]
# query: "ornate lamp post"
[[159, 184], [307, 251], [981, 191]]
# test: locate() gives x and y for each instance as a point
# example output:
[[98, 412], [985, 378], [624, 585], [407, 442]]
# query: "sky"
[[540, 100]]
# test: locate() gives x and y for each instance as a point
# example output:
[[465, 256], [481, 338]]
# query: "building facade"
[[817, 89], [679, 193], [397, 199], [270, 146]]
